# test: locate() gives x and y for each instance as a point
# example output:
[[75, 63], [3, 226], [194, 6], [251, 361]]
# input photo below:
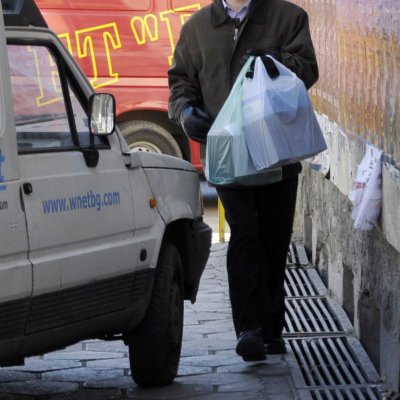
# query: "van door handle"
[[27, 188]]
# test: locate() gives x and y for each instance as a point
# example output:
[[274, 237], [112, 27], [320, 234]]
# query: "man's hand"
[[269, 64], [273, 52], [196, 123]]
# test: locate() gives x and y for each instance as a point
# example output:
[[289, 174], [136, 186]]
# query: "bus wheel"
[[150, 137]]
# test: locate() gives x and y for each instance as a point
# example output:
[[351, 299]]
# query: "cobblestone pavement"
[[209, 368]]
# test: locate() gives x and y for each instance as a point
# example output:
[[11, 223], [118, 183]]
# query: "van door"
[[15, 269], [79, 218]]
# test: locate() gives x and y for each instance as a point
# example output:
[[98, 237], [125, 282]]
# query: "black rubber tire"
[[150, 137], [155, 346]]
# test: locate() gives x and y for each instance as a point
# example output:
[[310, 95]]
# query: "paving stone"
[[275, 367], [191, 320], [193, 370], [285, 396], [224, 336], [175, 391], [253, 385], [82, 374], [120, 382], [242, 367], [189, 336], [111, 363], [81, 355], [230, 396], [214, 379], [7, 375], [89, 394], [38, 387], [278, 384], [111, 346], [211, 360], [213, 345], [43, 365], [190, 349], [211, 327], [213, 316]]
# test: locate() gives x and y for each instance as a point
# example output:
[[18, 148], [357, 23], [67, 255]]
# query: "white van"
[[96, 241]]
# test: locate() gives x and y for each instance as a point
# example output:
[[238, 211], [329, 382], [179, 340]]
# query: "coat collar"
[[257, 12]]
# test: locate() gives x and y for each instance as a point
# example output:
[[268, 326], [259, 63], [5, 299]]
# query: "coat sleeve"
[[182, 79], [298, 52]]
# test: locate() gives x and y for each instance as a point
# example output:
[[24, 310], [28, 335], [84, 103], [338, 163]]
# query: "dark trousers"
[[261, 222]]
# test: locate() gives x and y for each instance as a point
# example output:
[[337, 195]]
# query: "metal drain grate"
[[310, 316], [357, 393], [331, 362], [298, 283]]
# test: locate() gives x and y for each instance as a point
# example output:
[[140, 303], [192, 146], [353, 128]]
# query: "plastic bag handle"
[[239, 82], [272, 71]]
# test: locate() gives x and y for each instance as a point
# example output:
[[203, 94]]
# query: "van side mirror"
[[102, 114]]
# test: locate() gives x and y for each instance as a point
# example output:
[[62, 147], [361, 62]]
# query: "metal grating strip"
[[300, 324], [308, 374], [359, 393], [333, 364], [305, 280], [290, 285], [298, 283], [327, 362], [306, 316]]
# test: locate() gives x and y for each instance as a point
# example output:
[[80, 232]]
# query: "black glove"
[[269, 64], [273, 52], [196, 123]]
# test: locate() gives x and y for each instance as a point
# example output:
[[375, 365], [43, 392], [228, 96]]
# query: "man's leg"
[[244, 257], [276, 212]]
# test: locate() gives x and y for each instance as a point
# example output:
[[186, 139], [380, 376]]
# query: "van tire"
[[155, 346], [150, 137]]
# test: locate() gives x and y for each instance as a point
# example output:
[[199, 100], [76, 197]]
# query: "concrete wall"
[[357, 100]]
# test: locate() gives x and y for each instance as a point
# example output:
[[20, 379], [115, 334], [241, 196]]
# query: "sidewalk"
[[209, 368], [324, 361]]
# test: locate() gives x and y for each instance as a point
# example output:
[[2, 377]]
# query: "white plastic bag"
[[278, 119], [227, 158], [366, 195]]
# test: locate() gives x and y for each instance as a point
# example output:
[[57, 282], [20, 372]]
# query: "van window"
[[41, 115]]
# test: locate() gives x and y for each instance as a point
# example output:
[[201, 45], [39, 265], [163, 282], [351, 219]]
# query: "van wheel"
[[150, 137], [155, 346]]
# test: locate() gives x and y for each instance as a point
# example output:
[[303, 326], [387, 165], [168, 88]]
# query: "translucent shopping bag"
[[227, 158], [278, 118]]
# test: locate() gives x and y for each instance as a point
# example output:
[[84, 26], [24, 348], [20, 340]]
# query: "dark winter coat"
[[208, 55]]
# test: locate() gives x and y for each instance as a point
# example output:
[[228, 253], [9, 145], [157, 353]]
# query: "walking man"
[[212, 48]]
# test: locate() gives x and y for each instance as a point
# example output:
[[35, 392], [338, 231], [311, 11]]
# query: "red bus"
[[125, 47]]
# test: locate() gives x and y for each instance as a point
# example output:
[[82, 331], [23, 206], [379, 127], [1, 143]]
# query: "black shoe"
[[250, 345], [275, 346]]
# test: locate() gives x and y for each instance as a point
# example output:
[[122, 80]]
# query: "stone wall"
[[357, 100]]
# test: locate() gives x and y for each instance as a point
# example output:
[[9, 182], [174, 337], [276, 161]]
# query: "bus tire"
[[150, 137]]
